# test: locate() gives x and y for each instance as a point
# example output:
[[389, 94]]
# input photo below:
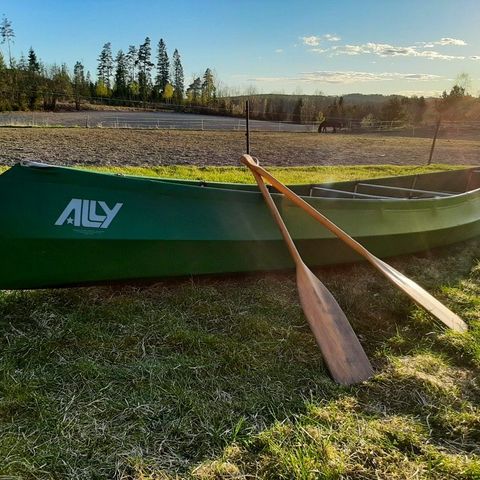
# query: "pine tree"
[[80, 84], [33, 63], [121, 74], [144, 69], [33, 78], [163, 66], [7, 34], [208, 88], [178, 80], [132, 61], [194, 91], [105, 65]]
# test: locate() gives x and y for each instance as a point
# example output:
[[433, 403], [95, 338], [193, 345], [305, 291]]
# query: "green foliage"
[[120, 88], [393, 110], [101, 90], [7, 34], [163, 66], [208, 88], [105, 66], [167, 93], [80, 84], [194, 92], [178, 79], [144, 69]]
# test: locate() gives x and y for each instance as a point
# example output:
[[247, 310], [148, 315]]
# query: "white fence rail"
[[184, 121]]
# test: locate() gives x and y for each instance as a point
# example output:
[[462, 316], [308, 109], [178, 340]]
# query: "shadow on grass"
[[123, 380]]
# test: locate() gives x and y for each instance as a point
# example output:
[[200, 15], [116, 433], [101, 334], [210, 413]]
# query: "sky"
[[302, 46]]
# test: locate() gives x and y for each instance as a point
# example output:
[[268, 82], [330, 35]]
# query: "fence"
[[188, 121]]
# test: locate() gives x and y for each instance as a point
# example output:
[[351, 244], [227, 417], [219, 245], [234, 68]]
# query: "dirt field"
[[69, 146]]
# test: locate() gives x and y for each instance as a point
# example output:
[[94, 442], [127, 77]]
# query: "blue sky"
[[336, 47]]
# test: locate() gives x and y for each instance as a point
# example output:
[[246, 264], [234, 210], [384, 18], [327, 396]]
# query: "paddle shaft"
[[343, 354], [417, 293], [278, 219]]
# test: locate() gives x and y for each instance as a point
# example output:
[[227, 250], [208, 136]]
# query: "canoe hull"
[[164, 229]]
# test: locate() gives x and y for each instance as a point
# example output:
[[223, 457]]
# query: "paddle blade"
[[341, 350], [422, 298]]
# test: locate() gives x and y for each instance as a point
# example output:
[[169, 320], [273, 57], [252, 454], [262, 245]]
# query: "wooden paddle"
[[342, 352], [414, 291]]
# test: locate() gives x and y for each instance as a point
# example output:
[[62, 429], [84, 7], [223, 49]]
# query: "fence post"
[[202, 124], [86, 120], [434, 140]]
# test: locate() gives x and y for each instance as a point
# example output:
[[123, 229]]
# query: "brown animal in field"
[[330, 123]]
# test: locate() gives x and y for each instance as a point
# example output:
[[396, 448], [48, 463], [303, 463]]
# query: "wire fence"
[[189, 121]]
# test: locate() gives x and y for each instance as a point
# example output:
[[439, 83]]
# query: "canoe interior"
[[427, 185]]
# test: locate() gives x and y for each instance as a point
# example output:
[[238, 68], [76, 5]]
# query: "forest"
[[145, 76]]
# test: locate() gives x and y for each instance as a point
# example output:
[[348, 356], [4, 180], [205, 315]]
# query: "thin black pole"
[[247, 125], [434, 140]]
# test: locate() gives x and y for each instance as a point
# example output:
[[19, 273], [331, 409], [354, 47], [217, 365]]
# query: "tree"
[[80, 84], [105, 65], [144, 69], [178, 79], [393, 110], [167, 93], [33, 63], [58, 85], [416, 107], [33, 78], [5, 103], [464, 80], [132, 61], [163, 66], [194, 91], [297, 111], [208, 88], [101, 89], [7, 34], [121, 74]]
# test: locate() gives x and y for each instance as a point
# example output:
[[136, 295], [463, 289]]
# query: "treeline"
[[140, 77], [455, 105], [126, 78], [314, 108]]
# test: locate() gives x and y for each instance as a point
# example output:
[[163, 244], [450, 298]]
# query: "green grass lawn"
[[292, 175], [221, 378]]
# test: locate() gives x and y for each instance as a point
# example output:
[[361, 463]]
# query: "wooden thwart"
[[416, 293], [407, 190], [344, 192], [341, 350]]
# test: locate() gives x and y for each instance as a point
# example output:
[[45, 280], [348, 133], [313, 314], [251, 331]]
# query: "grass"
[[309, 174], [221, 378], [313, 174]]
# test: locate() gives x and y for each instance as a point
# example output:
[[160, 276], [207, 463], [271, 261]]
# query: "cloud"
[[331, 37], [387, 50], [314, 40], [419, 49], [450, 41], [345, 77], [279, 50], [311, 41]]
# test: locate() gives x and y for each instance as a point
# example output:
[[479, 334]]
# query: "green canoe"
[[62, 226]]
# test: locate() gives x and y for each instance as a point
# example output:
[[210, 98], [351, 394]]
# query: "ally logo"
[[84, 213]]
